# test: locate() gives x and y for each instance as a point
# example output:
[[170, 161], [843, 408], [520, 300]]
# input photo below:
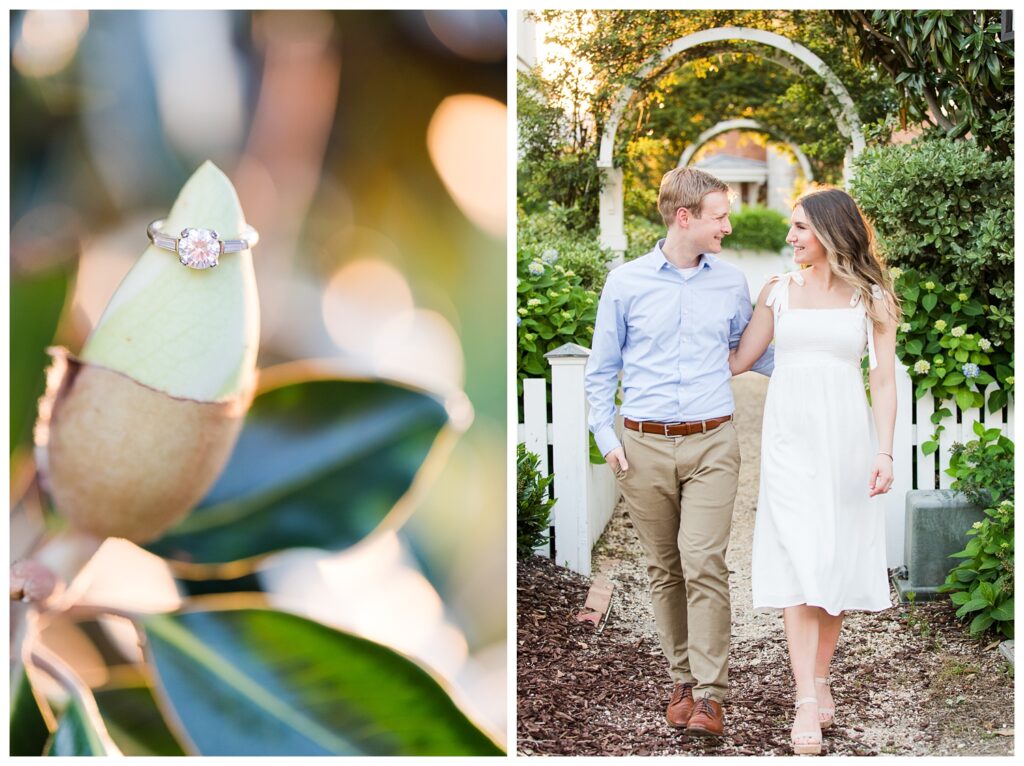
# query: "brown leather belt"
[[674, 429]]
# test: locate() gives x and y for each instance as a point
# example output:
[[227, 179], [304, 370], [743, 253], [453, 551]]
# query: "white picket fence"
[[586, 494]]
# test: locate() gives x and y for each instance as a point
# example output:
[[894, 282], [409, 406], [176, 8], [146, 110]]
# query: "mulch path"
[[908, 682]]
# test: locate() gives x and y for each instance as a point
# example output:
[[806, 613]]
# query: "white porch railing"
[[587, 493]]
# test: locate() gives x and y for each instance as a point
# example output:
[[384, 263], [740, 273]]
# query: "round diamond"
[[199, 248]]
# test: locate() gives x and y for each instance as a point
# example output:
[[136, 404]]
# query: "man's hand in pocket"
[[617, 460]]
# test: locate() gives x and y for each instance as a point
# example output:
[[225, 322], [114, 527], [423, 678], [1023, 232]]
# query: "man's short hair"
[[686, 187]]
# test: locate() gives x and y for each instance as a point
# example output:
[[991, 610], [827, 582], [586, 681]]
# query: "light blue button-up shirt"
[[670, 334]]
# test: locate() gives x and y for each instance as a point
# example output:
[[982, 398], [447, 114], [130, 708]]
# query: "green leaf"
[[964, 399], [965, 575], [929, 301], [36, 305], [972, 606], [981, 622], [260, 682], [78, 733], [319, 463], [28, 728], [929, 447], [986, 593], [1004, 611], [960, 598], [135, 722]]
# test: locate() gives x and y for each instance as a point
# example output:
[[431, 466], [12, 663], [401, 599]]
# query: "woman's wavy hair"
[[849, 242]]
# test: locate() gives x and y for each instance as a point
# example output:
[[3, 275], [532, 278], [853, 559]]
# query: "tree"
[[685, 96], [951, 67]]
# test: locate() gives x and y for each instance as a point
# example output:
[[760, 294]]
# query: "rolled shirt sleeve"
[[604, 365]]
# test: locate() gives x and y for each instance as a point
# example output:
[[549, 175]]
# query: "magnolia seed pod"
[[132, 434]]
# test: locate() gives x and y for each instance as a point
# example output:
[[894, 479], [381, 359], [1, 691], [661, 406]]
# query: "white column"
[[781, 175], [570, 457], [526, 32], [612, 220]]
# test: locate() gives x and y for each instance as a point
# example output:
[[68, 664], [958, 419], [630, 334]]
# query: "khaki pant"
[[680, 492]]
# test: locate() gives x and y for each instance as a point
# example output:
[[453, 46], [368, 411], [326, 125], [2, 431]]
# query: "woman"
[[819, 545]]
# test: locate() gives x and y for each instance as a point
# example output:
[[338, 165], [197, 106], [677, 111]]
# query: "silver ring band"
[[200, 248]]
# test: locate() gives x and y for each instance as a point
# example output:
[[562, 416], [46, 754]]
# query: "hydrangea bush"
[[550, 235], [943, 211], [951, 346], [982, 584], [552, 309]]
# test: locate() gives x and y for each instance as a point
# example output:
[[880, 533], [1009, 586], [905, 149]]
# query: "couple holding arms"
[[678, 324]]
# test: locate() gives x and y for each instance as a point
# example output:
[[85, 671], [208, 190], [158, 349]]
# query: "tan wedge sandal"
[[806, 748], [826, 715]]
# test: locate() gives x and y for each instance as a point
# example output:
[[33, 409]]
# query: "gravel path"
[[907, 681]]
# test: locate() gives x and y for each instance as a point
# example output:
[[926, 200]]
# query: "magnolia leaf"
[[79, 733], [36, 304], [261, 682], [135, 722], [28, 727], [320, 462]]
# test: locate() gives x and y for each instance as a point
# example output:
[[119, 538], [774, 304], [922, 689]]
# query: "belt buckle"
[[665, 428], [703, 426]]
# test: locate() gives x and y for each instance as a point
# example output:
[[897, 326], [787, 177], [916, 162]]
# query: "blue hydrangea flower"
[[970, 371], [549, 256], [536, 268]]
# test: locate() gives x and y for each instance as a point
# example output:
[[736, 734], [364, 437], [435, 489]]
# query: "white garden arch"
[[612, 223], [746, 124]]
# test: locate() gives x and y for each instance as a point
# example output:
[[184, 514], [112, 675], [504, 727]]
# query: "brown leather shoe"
[[680, 706], [707, 719]]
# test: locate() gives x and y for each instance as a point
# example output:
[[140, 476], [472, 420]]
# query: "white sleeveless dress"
[[818, 538]]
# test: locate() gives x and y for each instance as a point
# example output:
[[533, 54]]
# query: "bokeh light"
[[360, 590], [360, 299], [466, 139], [474, 35], [48, 41]]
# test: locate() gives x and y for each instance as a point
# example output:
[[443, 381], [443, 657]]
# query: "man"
[[667, 320]]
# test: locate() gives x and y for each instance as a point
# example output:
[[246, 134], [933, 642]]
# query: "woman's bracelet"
[[887, 455]]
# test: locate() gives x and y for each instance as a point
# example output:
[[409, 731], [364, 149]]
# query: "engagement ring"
[[200, 248]]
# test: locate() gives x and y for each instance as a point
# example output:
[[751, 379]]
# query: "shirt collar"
[[659, 261]]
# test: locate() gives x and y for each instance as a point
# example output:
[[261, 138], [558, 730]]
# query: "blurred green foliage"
[[37, 301], [549, 236], [757, 228]]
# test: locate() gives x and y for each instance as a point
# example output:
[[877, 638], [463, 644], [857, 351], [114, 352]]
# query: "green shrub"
[[553, 308], [943, 339], [982, 584], [945, 208], [533, 507], [757, 228], [550, 236], [943, 212]]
